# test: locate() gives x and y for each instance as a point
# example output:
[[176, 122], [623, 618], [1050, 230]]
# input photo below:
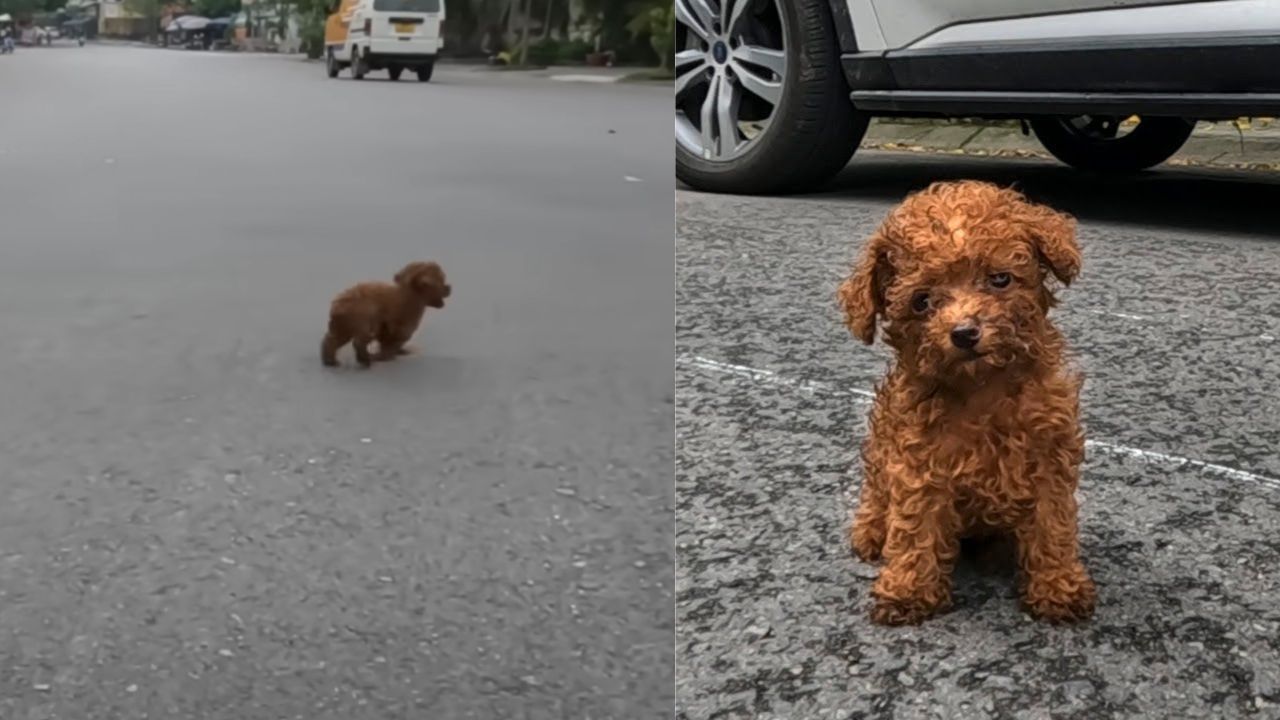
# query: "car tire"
[[331, 66], [424, 72], [814, 129], [359, 64], [394, 72], [1151, 142]]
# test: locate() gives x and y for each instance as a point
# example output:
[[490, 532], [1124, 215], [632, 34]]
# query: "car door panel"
[[902, 22]]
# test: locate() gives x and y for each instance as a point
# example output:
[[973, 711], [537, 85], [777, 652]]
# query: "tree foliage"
[[150, 10], [23, 9], [657, 21], [216, 8]]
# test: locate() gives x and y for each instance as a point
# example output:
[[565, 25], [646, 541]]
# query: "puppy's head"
[[425, 280], [959, 278]]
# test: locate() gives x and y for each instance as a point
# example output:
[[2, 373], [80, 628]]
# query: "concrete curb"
[[1251, 145]]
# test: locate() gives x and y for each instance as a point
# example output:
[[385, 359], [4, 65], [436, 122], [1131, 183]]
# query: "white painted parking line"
[[1158, 458], [859, 395], [769, 377], [1122, 316]]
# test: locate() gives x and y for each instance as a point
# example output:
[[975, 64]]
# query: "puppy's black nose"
[[965, 337]]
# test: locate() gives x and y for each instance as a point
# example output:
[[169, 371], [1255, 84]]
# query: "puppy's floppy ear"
[[861, 295], [405, 275], [1053, 234]]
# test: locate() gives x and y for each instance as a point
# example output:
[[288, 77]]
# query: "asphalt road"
[[1176, 323], [197, 520]]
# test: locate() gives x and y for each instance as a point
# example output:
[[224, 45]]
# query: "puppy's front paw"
[[1060, 598], [867, 543], [903, 601], [906, 611]]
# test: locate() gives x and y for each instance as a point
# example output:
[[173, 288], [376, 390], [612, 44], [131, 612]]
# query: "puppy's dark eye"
[[999, 280], [920, 302]]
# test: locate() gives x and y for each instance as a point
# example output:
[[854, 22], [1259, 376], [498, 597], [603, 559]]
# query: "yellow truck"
[[391, 35]]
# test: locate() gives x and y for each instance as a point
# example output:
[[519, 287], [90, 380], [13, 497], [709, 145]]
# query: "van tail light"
[[368, 27]]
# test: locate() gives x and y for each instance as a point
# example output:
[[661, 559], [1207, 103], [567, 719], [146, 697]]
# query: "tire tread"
[[822, 127]]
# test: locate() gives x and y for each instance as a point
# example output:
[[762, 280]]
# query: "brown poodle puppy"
[[975, 431], [386, 312]]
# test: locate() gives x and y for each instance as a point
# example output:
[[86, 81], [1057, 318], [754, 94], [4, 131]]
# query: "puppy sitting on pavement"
[[975, 431], [386, 312]]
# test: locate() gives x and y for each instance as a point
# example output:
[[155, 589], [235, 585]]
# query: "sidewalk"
[[1255, 146]]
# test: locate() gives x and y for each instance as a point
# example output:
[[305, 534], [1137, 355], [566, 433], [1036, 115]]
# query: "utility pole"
[[524, 31]]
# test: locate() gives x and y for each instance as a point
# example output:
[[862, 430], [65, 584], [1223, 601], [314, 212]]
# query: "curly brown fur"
[[386, 312], [969, 441]]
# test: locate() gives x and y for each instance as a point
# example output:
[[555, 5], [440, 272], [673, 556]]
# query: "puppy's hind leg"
[[329, 347], [389, 347], [360, 343]]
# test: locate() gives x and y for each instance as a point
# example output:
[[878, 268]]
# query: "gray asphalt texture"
[[197, 520], [1176, 323]]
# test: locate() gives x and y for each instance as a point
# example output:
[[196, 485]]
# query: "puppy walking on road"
[[975, 432], [386, 312]]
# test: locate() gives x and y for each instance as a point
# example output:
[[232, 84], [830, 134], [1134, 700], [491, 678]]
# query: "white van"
[[391, 35]]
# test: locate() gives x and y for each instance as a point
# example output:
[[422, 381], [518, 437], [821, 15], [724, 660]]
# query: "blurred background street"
[[199, 521]]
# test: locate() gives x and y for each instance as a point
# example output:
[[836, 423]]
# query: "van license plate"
[[404, 28]]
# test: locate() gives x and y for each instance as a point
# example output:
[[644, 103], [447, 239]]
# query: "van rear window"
[[414, 6]]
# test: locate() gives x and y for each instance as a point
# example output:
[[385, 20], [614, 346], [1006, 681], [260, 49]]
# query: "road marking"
[[811, 387], [1167, 319], [1122, 316], [769, 377], [587, 78], [1158, 458]]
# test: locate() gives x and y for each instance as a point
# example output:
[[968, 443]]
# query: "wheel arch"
[[844, 26]]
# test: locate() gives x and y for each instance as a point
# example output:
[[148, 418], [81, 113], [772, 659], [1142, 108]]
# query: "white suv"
[[775, 95]]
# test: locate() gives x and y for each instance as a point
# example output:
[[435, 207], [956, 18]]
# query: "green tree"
[[657, 20], [20, 9], [216, 8], [613, 18], [311, 17], [148, 10]]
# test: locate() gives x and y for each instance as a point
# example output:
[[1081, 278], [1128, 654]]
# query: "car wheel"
[[395, 72], [424, 72], [761, 101], [331, 64], [359, 64], [1100, 143]]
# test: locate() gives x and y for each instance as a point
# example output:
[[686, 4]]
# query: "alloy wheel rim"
[[730, 74]]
